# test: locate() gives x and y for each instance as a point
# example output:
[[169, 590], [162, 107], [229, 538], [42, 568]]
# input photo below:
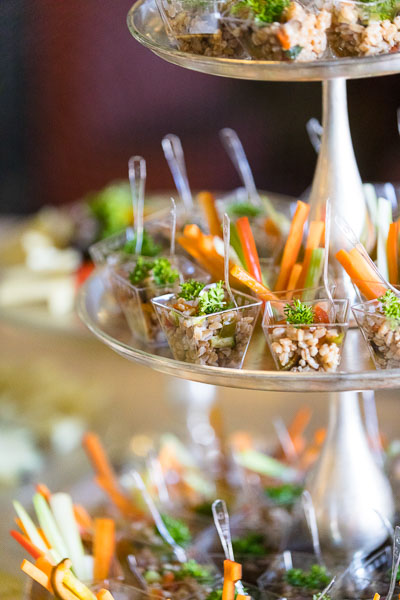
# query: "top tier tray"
[[146, 26], [99, 311]]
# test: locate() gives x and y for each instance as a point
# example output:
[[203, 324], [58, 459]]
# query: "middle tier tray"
[[100, 312]]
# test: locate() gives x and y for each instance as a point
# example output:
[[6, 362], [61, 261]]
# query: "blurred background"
[[79, 96]]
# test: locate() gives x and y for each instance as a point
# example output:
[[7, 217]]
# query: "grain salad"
[[202, 326]]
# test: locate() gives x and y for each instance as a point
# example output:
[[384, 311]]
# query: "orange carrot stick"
[[207, 201], [124, 505], [104, 595], [19, 524], [300, 422], [271, 228], [293, 282], [84, 520], [292, 246], [392, 251], [361, 273], [33, 550], [103, 547], [241, 275], [42, 489], [193, 249], [36, 574], [249, 248], [314, 238]]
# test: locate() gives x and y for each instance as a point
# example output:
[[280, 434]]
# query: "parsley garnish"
[[163, 273], [315, 579], [178, 530], [299, 313], [141, 271], [250, 544], [390, 305], [285, 494], [149, 247], [217, 594], [244, 209], [192, 568], [265, 11], [213, 300], [190, 289], [160, 269]]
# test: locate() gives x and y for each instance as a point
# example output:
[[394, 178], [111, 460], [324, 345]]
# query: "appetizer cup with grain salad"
[[364, 28], [306, 336], [136, 282], [203, 326], [379, 322]]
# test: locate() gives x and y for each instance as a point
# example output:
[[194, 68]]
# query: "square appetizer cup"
[[219, 339], [364, 28], [135, 300], [381, 333], [297, 33], [311, 347]]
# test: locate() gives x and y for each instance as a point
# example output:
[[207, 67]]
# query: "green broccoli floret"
[[112, 208], [250, 544], [264, 11], [299, 313], [149, 247], [178, 530], [244, 209], [285, 494], [190, 289], [213, 300]]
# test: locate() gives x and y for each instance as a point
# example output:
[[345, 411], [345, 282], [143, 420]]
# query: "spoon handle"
[[162, 530], [221, 520], [236, 153], [173, 152], [227, 241], [311, 518], [315, 131], [395, 562], [137, 180]]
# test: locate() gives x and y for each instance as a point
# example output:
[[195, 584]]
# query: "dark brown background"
[[78, 96]]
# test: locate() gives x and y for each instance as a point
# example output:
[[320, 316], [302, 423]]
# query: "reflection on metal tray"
[[146, 26], [98, 309]]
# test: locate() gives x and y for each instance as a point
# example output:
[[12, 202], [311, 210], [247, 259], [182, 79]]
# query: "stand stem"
[[347, 486], [336, 175]]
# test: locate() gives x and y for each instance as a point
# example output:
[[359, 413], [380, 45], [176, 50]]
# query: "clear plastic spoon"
[[326, 590], [173, 153], [355, 242], [387, 524], [227, 245], [311, 519], [315, 131], [161, 528], [236, 153], [137, 180], [221, 520], [173, 227], [327, 242], [395, 562]]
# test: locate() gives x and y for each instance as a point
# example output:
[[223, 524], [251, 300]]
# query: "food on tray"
[[136, 283], [280, 29], [364, 28], [203, 326], [306, 336]]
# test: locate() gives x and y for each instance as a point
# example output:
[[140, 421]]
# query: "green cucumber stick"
[[236, 245], [49, 526], [315, 270], [372, 202], [29, 526], [63, 511]]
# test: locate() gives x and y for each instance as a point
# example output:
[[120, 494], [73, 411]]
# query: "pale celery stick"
[[384, 219], [29, 526], [372, 202], [63, 512], [48, 524]]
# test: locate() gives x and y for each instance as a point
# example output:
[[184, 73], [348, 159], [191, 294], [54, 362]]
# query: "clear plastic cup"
[[135, 300], [382, 335], [220, 339], [316, 347]]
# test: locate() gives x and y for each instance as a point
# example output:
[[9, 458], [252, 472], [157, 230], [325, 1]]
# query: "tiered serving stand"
[[350, 492]]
